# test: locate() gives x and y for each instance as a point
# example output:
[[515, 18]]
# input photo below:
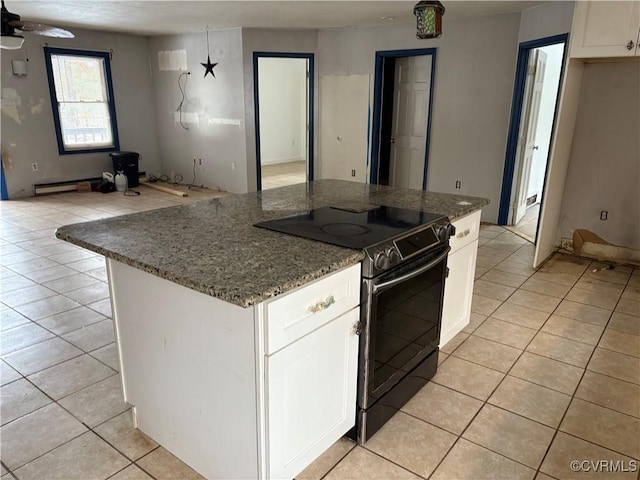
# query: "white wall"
[[213, 110], [28, 133], [545, 20], [266, 40], [545, 118], [604, 165], [475, 68], [283, 110]]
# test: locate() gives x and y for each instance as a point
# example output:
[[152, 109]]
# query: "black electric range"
[[388, 235], [402, 289]]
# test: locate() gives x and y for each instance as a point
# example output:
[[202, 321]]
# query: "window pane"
[[80, 84], [85, 124], [79, 79]]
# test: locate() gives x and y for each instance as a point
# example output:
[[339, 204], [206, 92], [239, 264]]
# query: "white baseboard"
[[276, 161]]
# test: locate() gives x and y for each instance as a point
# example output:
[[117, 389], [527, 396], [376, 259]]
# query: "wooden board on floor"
[[161, 188]]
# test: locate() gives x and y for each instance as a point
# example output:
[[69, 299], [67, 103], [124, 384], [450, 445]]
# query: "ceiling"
[[147, 17]]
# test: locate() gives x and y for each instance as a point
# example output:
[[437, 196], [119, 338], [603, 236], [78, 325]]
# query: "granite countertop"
[[212, 247]]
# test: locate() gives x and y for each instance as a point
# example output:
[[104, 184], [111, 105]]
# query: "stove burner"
[[344, 229]]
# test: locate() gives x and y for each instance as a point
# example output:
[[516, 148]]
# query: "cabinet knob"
[[630, 45]]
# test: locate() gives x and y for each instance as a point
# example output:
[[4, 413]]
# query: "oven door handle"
[[383, 286]]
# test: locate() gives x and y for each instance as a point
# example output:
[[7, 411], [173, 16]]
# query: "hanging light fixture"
[[429, 19]]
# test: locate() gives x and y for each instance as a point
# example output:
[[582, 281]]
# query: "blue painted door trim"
[[514, 122], [377, 106], [4, 194], [310, 109]]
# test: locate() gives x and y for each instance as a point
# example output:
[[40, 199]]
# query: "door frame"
[[524, 49], [310, 110], [377, 107]]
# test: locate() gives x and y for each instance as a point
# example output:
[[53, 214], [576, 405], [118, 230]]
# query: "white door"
[[528, 128], [318, 374], [410, 117]]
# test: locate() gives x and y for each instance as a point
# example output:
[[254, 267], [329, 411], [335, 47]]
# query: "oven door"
[[402, 314]]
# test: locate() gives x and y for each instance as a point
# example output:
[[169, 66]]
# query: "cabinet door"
[[605, 29], [458, 291], [311, 395]]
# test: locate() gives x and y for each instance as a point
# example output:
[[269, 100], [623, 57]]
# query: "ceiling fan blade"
[[41, 29]]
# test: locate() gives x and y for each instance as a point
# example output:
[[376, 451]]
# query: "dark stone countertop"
[[212, 247]]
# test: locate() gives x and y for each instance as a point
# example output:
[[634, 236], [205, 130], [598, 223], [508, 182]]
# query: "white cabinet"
[[311, 395], [605, 29], [311, 368], [239, 392], [458, 289]]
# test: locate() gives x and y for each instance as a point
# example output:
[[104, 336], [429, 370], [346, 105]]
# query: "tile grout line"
[[507, 374], [56, 402], [573, 395], [484, 403]]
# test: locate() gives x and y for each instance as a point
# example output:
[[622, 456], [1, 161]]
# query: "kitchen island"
[[237, 344]]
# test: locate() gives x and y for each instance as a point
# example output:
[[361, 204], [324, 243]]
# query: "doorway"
[[402, 108], [283, 93], [535, 99]]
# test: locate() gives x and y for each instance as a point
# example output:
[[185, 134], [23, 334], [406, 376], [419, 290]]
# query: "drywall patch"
[[36, 107], [11, 103], [184, 118], [237, 122], [172, 60]]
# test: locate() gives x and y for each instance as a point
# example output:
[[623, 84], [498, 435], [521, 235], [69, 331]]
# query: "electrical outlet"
[[353, 173], [199, 161], [233, 165], [604, 214], [458, 184], [34, 167]]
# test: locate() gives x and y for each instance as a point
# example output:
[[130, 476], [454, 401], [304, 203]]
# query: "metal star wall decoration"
[[208, 67]]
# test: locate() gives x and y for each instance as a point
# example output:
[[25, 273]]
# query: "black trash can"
[[127, 163]]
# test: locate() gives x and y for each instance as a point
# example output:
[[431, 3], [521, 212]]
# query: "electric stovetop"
[[352, 224]]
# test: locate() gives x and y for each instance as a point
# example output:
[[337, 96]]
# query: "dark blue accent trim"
[[377, 106], [4, 194], [310, 107], [429, 116], [48, 51], [514, 122]]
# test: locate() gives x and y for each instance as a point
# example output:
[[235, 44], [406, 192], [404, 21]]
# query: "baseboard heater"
[[69, 186]]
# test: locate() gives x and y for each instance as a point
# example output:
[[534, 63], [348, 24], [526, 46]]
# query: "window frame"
[[106, 57]]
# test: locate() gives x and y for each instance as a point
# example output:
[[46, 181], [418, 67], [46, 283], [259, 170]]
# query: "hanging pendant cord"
[[207, 40]]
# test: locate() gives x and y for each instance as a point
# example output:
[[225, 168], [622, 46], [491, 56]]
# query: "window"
[[82, 99]]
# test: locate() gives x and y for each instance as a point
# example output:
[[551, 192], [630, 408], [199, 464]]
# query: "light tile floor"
[[548, 370], [528, 224], [283, 174]]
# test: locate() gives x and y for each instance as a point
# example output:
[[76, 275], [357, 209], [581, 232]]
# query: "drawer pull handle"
[[464, 233], [322, 305]]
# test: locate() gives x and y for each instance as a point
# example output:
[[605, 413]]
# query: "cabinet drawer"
[[467, 229], [294, 315]]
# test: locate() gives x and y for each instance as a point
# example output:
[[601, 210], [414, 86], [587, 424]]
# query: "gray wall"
[[604, 166], [28, 133], [266, 40], [212, 111], [475, 69], [545, 20]]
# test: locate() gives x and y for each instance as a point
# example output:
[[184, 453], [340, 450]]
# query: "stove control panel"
[[393, 252]]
